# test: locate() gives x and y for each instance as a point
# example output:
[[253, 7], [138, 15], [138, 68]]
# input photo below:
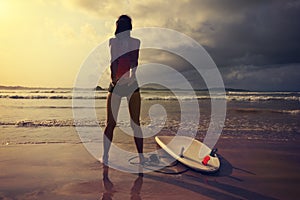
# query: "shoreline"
[[249, 169]]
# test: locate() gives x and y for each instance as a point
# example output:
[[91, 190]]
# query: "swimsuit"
[[123, 90]]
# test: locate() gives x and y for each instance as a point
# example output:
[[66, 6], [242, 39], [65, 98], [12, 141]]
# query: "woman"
[[124, 60]]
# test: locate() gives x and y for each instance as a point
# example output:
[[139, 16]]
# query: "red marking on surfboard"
[[205, 160]]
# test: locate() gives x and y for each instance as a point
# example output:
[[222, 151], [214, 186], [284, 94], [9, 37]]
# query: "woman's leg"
[[112, 109], [134, 111]]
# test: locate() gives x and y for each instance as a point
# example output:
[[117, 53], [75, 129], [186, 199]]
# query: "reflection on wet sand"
[[109, 186]]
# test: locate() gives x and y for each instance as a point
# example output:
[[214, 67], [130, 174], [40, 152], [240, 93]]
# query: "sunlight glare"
[[4, 8]]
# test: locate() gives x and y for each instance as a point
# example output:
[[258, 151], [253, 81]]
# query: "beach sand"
[[251, 169]]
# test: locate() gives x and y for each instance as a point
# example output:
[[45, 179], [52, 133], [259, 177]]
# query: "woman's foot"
[[143, 160]]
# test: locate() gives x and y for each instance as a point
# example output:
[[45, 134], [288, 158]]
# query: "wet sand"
[[251, 169]]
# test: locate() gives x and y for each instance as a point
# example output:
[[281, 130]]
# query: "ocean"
[[45, 116]]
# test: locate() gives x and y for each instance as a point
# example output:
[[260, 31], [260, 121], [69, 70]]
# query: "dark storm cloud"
[[245, 32], [254, 43], [279, 78], [235, 32], [267, 34]]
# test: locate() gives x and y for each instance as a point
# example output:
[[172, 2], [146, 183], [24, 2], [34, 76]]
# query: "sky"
[[255, 44]]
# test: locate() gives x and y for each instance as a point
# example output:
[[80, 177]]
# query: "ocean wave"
[[63, 123], [184, 98], [228, 98], [49, 91], [70, 123], [293, 112], [245, 96], [52, 123], [153, 98], [50, 97], [59, 107], [262, 98], [38, 142], [263, 93], [257, 110]]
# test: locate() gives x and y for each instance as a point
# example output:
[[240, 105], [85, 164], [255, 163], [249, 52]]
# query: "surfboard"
[[190, 152]]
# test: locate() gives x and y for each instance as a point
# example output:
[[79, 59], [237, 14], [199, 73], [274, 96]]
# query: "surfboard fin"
[[213, 152], [181, 152]]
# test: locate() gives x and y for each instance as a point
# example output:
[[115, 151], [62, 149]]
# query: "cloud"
[[95, 8], [234, 32], [69, 35], [281, 77], [267, 35], [261, 35]]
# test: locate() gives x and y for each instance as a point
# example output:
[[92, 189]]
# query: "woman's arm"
[[113, 71], [113, 61], [134, 57]]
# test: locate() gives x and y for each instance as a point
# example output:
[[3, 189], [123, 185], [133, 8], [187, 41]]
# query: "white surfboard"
[[189, 152]]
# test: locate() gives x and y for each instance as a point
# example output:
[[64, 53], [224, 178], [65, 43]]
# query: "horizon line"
[[198, 89]]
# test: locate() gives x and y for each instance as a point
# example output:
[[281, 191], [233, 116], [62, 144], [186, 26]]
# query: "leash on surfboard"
[[154, 161]]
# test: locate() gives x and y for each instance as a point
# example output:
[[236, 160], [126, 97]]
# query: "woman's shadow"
[[198, 183], [226, 170], [109, 186], [200, 180]]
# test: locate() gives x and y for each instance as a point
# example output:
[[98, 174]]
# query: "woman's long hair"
[[123, 24]]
